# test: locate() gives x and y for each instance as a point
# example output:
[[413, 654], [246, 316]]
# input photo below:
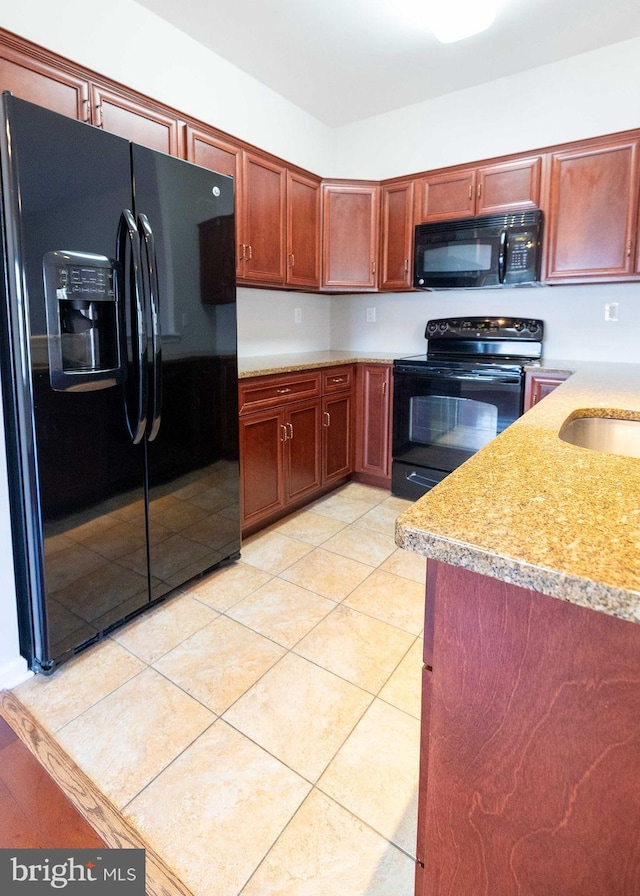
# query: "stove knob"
[[533, 326], [518, 325], [432, 326], [442, 326]]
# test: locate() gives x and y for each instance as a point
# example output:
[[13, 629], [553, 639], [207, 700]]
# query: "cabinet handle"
[[87, 111], [283, 433], [373, 267], [283, 391], [629, 246], [327, 418], [100, 121], [470, 191], [338, 379], [406, 265], [290, 430], [250, 256], [241, 247], [479, 191], [384, 387], [292, 260]]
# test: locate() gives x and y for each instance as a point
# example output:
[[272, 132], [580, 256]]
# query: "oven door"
[[442, 416]]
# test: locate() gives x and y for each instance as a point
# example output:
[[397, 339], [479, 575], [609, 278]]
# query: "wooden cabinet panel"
[[487, 190], [261, 477], [593, 213], [262, 220], [303, 230], [337, 437], [373, 451], [44, 84], [445, 196], [396, 236], [507, 186], [350, 236], [538, 385], [534, 745], [302, 450], [204, 149], [129, 119], [257, 393]]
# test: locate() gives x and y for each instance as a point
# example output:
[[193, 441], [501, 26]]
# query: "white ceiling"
[[344, 60]]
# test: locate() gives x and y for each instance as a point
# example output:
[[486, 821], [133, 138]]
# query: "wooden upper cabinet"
[[146, 125], [261, 227], [487, 190], [303, 230], [206, 149], [444, 196], [396, 236], [593, 213], [511, 185], [43, 83], [350, 236]]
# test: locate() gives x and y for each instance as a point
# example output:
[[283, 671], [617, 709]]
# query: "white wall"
[[125, 42], [584, 96], [575, 327]]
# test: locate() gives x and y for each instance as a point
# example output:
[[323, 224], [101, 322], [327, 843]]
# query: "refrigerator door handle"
[[128, 232], [156, 334]]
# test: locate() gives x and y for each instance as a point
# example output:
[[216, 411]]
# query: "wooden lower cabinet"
[[538, 385], [293, 450], [531, 745], [374, 417]]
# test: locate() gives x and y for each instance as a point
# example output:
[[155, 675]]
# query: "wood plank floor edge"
[[98, 811]]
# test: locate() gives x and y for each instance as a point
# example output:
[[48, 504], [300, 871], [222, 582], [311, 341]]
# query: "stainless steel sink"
[[615, 435]]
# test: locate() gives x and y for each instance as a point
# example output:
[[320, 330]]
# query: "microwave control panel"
[[521, 247]]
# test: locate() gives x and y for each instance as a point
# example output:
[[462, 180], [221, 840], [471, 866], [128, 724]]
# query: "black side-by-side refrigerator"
[[119, 374]]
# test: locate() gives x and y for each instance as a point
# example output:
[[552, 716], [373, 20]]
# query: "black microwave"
[[488, 251]]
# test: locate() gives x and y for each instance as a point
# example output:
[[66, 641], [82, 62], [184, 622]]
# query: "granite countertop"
[[537, 512], [263, 365]]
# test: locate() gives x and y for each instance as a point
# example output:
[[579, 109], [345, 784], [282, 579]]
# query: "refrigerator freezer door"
[[192, 451], [77, 489]]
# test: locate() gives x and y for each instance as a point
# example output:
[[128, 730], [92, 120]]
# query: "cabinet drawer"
[[271, 391], [337, 379]]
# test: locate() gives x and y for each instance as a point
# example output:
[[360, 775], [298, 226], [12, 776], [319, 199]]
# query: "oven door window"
[[460, 423], [442, 420]]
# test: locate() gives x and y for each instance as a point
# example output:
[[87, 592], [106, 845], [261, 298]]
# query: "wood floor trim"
[[98, 811]]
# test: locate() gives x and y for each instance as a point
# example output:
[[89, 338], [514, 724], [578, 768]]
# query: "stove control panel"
[[485, 328]]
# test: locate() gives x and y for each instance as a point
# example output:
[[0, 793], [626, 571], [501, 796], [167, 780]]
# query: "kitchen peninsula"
[[531, 682]]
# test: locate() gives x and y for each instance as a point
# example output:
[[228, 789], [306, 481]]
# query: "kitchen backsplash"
[[574, 318]]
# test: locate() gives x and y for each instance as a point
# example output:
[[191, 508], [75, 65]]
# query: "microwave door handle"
[[502, 256]]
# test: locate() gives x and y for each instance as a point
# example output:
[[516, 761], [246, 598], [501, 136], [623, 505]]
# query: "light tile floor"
[[261, 728]]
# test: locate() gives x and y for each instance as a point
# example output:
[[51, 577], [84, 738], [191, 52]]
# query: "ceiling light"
[[452, 20]]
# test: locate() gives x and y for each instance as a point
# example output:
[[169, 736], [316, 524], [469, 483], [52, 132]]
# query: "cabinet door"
[[510, 185], [374, 419], [350, 236], [39, 82], [261, 457], [262, 220], [303, 231], [593, 211], [204, 148], [302, 450], [124, 116], [538, 385], [337, 442], [396, 238], [445, 196]]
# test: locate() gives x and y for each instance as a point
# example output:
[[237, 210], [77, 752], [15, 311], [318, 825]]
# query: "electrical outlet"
[[611, 311], [370, 316], [297, 315]]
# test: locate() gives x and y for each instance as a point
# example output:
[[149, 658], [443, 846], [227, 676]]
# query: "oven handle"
[[486, 379]]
